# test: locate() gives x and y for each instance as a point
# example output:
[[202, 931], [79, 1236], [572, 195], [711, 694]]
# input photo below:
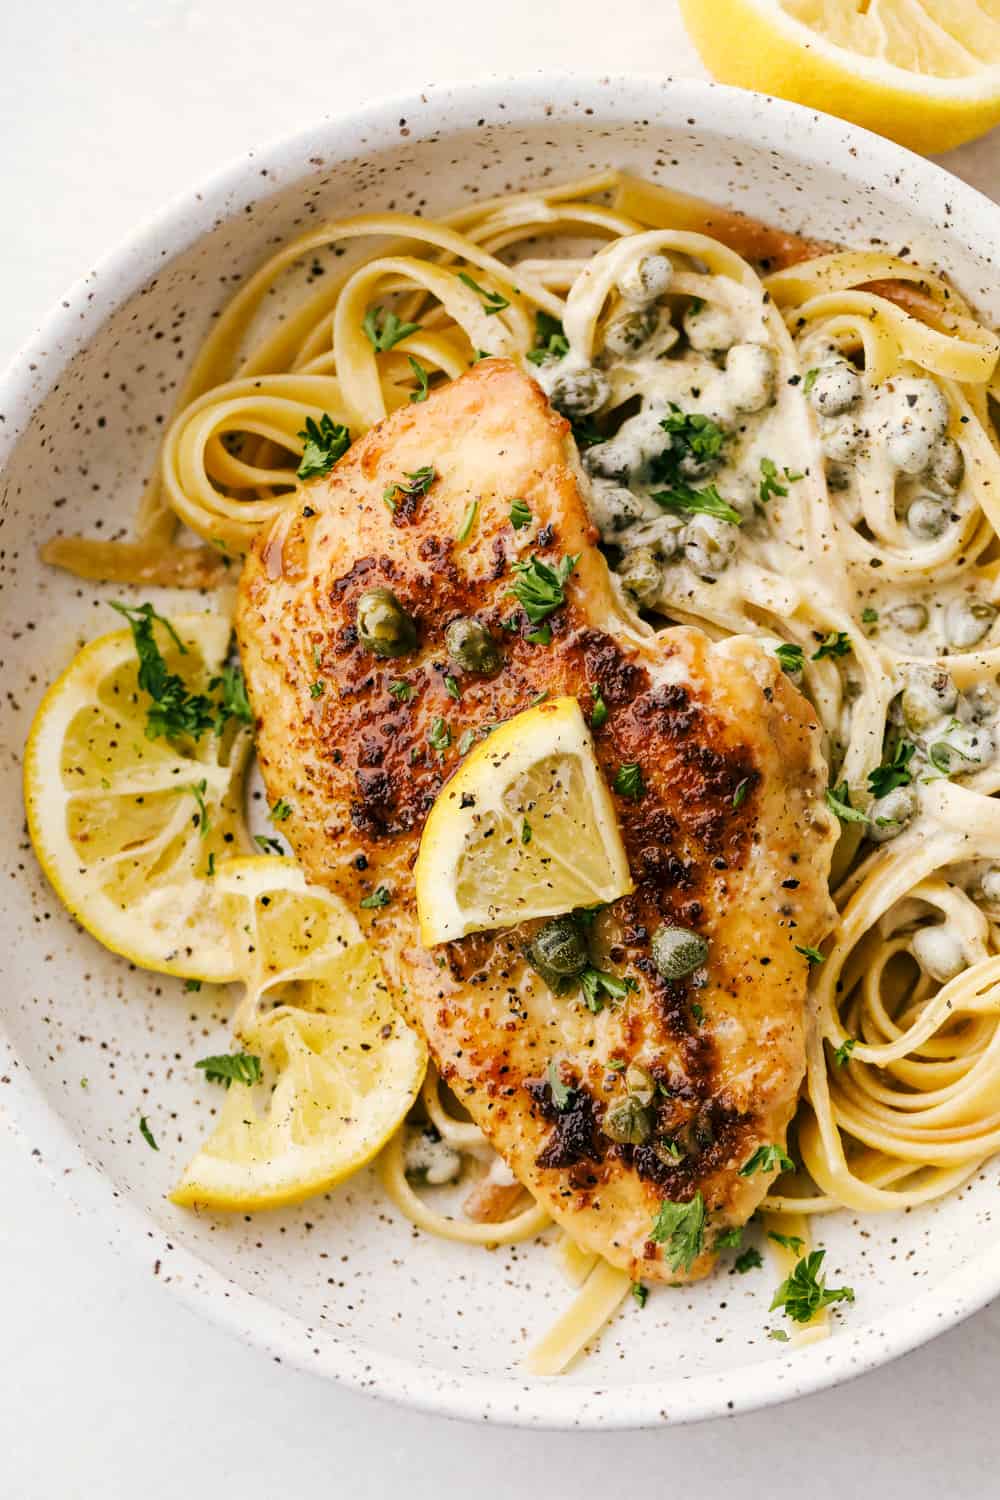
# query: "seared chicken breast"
[[728, 837]]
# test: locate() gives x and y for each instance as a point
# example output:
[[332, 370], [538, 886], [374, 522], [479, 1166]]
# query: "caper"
[[909, 617], [927, 517], [939, 952], [709, 329], [577, 394], [678, 951], [628, 1123], [641, 574], [640, 1084], [384, 627], [471, 646], [750, 372], [709, 544], [929, 693], [962, 749], [841, 440], [836, 388], [890, 814], [627, 332], [918, 421], [967, 620], [946, 469], [670, 1152], [990, 886], [646, 279], [558, 949]]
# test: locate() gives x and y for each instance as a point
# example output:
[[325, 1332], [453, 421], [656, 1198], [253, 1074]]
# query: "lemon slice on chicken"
[[128, 828], [525, 828], [339, 1066]]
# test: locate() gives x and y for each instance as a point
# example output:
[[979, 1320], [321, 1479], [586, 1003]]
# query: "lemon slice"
[[127, 828], [340, 1067], [525, 828], [923, 72]]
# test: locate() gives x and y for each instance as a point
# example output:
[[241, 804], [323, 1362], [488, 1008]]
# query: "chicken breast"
[[730, 837]]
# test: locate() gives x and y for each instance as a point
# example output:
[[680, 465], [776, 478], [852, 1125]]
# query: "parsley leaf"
[[728, 1239], [599, 712], [740, 794], [401, 690], [383, 333], [750, 1260], [550, 340], [231, 1067], [520, 515], [421, 374], [629, 782], [541, 589], [812, 954], [562, 1094], [146, 1133], [790, 657], [235, 704], [892, 773], [693, 437], [451, 687], [467, 521], [493, 302], [809, 381], [413, 484], [869, 616], [325, 442], [790, 1241], [198, 790], [838, 800], [525, 831], [767, 1159], [540, 637], [379, 897], [281, 811], [778, 1334], [174, 711], [842, 1054], [269, 846], [439, 737], [837, 643], [706, 502], [596, 983], [770, 484], [639, 1293], [805, 1292], [317, 688], [680, 1229]]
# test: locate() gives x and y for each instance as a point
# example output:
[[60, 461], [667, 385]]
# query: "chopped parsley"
[[468, 521], [317, 688], [639, 1293], [778, 1334], [173, 711], [146, 1133], [767, 1159], [596, 984], [812, 954], [837, 643], [520, 515], [728, 1239], [439, 737], [452, 688], [493, 302], [750, 1260], [790, 1241], [693, 436], [869, 616], [838, 800], [842, 1054], [198, 790], [234, 704], [269, 846], [599, 712], [892, 773], [562, 1094], [706, 502], [231, 1067], [542, 636], [467, 741], [325, 442], [421, 376], [770, 484], [680, 1229], [383, 333], [628, 782], [379, 897], [525, 832], [740, 794], [401, 690], [541, 589], [810, 380], [412, 485], [281, 811], [805, 1292], [790, 657], [192, 986], [550, 340]]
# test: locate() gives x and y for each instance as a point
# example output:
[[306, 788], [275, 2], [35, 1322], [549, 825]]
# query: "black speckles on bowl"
[[340, 1285]]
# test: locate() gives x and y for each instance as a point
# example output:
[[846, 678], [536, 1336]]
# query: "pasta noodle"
[[902, 1098]]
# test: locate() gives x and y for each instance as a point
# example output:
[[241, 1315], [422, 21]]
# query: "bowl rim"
[[91, 300]]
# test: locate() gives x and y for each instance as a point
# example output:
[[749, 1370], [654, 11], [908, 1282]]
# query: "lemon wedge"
[[525, 828], [339, 1066], [127, 828], [926, 73]]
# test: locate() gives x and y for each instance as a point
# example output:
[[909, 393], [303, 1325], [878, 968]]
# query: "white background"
[[110, 1388]]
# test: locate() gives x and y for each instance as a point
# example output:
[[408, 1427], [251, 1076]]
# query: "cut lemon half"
[[340, 1067], [128, 828], [926, 73], [525, 828]]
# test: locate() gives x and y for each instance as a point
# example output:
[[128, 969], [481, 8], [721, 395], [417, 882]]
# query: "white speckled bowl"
[[341, 1286]]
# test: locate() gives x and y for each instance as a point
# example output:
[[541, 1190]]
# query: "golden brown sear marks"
[[727, 837]]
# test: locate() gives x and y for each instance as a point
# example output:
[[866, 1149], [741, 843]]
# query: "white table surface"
[[110, 1388]]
